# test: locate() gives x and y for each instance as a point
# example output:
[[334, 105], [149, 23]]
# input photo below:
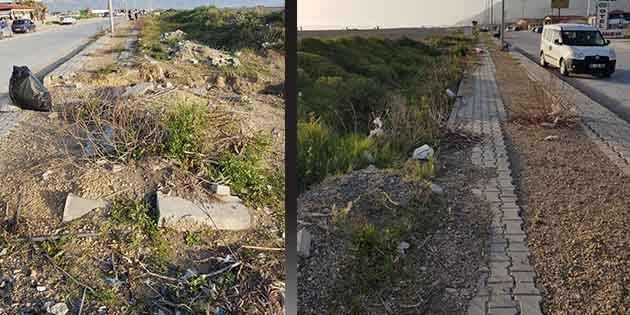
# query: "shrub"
[[186, 134], [322, 153]]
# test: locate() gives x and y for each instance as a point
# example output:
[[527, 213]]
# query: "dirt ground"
[[442, 265], [577, 208], [40, 164]]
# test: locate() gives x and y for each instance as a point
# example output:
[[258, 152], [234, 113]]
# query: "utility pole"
[[492, 12], [111, 16], [502, 23]]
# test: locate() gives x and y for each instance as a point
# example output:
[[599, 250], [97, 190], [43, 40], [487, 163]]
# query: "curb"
[[68, 66]]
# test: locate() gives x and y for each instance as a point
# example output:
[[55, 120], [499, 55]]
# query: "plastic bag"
[[27, 91]]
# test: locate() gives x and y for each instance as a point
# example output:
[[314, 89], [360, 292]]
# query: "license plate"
[[597, 66]]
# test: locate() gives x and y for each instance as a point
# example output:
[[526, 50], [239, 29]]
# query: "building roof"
[[4, 7]]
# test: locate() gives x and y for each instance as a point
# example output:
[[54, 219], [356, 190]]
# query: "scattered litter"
[[422, 153], [551, 125], [59, 309], [378, 131], [177, 34], [436, 189], [47, 174], [27, 91], [40, 288], [304, 242], [450, 94], [402, 247], [190, 273], [220, 189], [551, 138]]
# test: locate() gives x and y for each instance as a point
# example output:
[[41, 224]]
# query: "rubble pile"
[[168, 36], [193, 52]]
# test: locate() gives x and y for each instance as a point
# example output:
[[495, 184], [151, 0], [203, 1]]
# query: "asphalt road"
[[40, 50], [613, 92]]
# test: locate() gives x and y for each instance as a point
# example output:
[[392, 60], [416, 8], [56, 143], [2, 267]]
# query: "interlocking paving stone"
[[529, 305], [501, 301], [523, 276], [479, 109], [526, 288], [503, 311], [477, 306]]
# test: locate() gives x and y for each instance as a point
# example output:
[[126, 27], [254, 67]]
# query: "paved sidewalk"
[[507, 286], [607, 130]]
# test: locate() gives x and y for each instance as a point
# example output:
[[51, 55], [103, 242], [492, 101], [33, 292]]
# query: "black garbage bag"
[[27, 91]]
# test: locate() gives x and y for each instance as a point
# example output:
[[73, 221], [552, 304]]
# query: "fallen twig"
[[56, 237], [274, 249], [82, 301], [224, 269], [85, 286]]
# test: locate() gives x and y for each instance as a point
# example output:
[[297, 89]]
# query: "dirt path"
[[576, 204]]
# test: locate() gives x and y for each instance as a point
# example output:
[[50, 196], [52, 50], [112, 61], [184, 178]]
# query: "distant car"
[[537, 29], [484, 29], [23, 26], [5, 29], [67, 20]]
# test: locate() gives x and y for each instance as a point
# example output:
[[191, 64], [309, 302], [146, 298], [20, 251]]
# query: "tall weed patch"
[[345, 83]]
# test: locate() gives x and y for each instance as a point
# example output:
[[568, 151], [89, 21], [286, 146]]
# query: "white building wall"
[[516, 9]]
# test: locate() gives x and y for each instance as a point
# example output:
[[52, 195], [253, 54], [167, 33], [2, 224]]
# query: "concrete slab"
[[77, 207], [228, 213]]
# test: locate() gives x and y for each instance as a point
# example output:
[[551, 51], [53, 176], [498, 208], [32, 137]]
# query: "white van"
[[577, 48]]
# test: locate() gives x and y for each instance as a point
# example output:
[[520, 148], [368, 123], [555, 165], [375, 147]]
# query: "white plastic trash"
[[422, 153]]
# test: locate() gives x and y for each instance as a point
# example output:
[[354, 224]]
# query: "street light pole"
[[492, 12], [502, 23], [111, 16]]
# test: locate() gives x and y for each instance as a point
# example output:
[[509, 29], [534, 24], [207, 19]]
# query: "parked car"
[[537, 29], [5, 29], [23, 26], [577, 48], [67, 20]]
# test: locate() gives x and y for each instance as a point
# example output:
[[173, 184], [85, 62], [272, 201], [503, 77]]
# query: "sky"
[[62, 5], [385, 13]]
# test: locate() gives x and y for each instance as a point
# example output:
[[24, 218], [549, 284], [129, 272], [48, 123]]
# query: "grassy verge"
[[345, 83]]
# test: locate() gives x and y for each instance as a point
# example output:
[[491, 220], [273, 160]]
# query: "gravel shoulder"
[[575, 204]]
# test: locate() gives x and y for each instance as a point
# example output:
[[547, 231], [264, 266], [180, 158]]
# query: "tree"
[[39, 9]]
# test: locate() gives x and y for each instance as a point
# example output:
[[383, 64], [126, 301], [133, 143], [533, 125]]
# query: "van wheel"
[[563, 68], [543, 62]]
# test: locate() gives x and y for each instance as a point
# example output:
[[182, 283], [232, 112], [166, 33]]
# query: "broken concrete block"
[[228, 213], [219, 189], [304, 243], [77, 207]]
